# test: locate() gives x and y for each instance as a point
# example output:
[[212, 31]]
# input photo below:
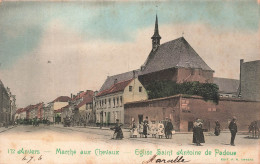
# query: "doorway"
[[140, 118], [190, 126]]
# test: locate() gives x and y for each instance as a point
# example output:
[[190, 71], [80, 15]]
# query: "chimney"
[[241, 63], [71, 95], [133, 73], [115, 81], [88, 91]]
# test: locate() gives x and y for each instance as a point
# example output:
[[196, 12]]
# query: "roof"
[[119, 78], [174, 54], [86, 99], [62, 99], [19, 110], [82, 94], [120, 86], [58, 111], [226, 85]]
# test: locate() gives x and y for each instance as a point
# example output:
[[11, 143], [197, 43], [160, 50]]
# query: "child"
[[153, 129], [160, 131], [141, 129]]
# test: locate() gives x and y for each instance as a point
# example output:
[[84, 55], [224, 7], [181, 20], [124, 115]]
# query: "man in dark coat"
[[145, 130], [217, 128], [168, 129], [198, 136], [233, 129]]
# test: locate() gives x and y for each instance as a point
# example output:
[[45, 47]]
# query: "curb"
[[7, 129]]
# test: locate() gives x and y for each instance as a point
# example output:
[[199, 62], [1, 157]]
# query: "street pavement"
[[104, 135], [48, 139]]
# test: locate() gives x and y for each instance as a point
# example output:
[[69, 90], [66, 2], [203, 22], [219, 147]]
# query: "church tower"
[[156, 37]]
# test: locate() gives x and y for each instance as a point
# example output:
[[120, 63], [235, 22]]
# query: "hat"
[[117, 119], [234, 118]]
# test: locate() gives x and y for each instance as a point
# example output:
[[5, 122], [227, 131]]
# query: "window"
[[140, 89], [117, 100], [212, 109], [130, 88], [114, 102], [121, 100], [109, 102]]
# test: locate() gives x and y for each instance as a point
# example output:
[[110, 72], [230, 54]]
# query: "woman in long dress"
[[198, 136], [217, 128], [146, 127]]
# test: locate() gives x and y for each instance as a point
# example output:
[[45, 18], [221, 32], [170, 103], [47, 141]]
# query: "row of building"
[[124, 96], [7, 105]]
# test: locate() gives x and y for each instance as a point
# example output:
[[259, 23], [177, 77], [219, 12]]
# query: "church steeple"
[[156, 37]]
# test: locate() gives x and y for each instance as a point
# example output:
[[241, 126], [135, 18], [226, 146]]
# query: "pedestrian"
[[164, 124], [146, 126], [133, 131], [233, 129], [168, 129], [118, 133], [217, 128], [198, 136], [160, 130], [141, 129], [153, 129]]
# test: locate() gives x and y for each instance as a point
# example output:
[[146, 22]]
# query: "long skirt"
[[198, 136]]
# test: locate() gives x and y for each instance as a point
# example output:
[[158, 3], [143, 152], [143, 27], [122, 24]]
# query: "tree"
[[159, 89]]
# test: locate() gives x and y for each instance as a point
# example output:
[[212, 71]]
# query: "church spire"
[[156, 36]]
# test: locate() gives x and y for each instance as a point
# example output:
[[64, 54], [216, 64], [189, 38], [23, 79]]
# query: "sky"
[[49, 49]]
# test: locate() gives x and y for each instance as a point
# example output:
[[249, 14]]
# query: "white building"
[[115, 92]]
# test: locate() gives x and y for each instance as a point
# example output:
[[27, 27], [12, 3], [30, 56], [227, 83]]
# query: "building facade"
[[249, 80], [55, 106], [76, 108], [5, 106], [115, 92]]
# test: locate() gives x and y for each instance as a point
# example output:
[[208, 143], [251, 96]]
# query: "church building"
[[175, 60]]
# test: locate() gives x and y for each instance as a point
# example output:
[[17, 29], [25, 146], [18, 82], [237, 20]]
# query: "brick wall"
[[183, 110]]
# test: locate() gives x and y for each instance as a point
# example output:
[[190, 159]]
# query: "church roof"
[[174, 54], [226, 85]]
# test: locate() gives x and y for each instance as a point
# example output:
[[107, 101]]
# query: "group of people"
[[153, 128], [166, 129], [198, 136]]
